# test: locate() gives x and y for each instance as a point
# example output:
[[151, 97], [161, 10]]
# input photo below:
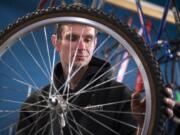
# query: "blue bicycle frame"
[[161, 27]]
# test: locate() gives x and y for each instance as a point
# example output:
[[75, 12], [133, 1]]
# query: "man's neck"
[[77, 72]]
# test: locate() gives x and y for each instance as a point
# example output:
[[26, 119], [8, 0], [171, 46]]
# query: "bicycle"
[[43, 21]]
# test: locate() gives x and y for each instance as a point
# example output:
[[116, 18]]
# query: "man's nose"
[[82, 45]]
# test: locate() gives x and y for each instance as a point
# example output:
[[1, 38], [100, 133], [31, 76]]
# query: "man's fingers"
[[143, 101], [169, 112], [138, 106], [135, 98], [135, 95], [169, 92], [169, 102]]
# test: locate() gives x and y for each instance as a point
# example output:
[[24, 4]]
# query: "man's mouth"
[[81, 57]]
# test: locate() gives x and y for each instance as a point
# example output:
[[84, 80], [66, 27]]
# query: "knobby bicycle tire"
[[73, 13]]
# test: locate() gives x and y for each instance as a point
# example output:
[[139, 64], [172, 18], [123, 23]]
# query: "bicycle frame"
[[162, 23], [165, 44], [153, 44]]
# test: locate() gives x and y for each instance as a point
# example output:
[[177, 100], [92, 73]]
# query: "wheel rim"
[[98, 25]]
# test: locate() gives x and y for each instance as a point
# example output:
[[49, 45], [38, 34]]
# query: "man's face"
[[77, 42]]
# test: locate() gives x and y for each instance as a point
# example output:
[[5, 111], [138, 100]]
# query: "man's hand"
[[169, 102], [138, 106]]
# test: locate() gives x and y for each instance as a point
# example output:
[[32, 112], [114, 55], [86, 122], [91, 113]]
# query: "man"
[[83, 104]]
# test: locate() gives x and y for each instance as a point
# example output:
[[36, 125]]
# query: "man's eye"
[[72, 38], [88, 40]]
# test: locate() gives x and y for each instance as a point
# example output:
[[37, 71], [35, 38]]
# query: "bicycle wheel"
[[97, 106]]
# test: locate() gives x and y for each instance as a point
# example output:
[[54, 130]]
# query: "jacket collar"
[[96, 67]]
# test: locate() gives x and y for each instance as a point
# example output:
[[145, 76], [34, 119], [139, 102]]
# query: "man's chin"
[[80, 64]]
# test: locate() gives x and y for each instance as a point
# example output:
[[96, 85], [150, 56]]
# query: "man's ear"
[[55, 42]]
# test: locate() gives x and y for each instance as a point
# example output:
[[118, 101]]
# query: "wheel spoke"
[[20, 102], [40, 53], [95, 120], [47, 47], [31, 124], [113, 78], [12, 69], [34, 59], [23, 68]]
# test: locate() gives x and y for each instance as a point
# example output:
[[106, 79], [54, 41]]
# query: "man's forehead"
[[78, 28]]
